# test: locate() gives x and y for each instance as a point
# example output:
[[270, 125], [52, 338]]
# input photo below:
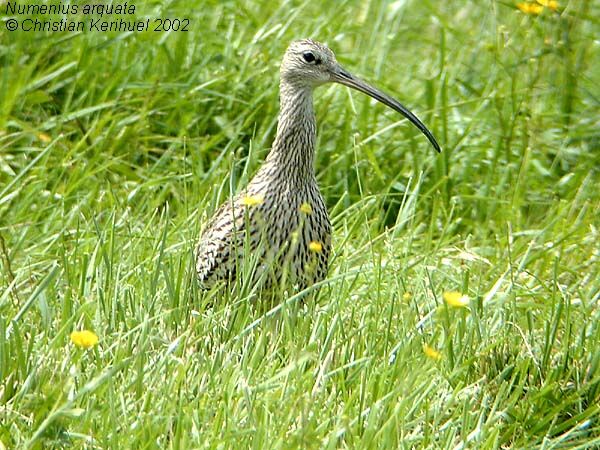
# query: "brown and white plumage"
[[280, 219]]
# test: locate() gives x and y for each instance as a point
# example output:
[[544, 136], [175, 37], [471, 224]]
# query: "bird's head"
[[307, 64]]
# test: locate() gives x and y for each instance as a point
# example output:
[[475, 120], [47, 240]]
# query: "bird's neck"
[[293, 151]]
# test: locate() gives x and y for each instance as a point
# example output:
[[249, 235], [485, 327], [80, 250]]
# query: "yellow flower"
[[431, 352], [306, 208], [550, 4], [252, 200], [44, 137], [530, 8], [84, 338], [456, 299], [315, 246], [406, 296]]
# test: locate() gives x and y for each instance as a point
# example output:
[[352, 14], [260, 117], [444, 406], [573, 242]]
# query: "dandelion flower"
[[84, 338], [44, 137], [431, 352], [530, 8], [252, 200], [306, 208], [315, 246], [550, 4], [456, 299], [406, 296]]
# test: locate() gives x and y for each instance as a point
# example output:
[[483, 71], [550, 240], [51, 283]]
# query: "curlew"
[[280, 221]]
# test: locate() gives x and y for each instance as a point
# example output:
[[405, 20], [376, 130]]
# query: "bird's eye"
[[309, 57]]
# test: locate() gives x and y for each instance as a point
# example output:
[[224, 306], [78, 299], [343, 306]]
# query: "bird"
[[279, 223]]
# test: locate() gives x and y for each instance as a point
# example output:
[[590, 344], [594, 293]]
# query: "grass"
[[115, 148]]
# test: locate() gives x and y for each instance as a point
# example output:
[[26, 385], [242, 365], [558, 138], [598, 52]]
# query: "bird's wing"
[[215, 253]]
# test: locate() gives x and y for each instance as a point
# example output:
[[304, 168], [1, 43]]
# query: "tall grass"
[[115, 148]]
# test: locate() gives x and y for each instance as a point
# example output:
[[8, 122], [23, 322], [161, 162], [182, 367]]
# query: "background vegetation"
[[116, 147]]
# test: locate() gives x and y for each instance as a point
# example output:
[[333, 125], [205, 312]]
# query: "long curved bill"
[[347, 79]]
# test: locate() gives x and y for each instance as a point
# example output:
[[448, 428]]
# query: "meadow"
[[116, 148]]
